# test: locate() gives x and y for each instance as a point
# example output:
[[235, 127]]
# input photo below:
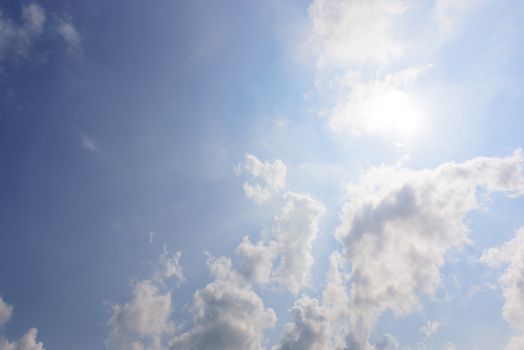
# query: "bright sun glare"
[[396, 114]]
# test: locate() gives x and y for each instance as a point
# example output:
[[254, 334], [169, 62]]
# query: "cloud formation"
[[228, 314], [398, 225], [511, 255], [320, 324], [286, 259], [16, 39], [267, 178], [6, 312], [350, 32], [145, 321], [26, 342]]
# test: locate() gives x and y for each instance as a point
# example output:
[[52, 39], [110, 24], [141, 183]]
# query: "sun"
[[395, 113]]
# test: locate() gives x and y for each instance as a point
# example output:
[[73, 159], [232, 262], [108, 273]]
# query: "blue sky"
[[324, 174]]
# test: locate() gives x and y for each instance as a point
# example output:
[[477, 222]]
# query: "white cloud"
[[348, 32], [320, 325], [288, 258], [6, 311], [228, 314], [255, 261], [512, 282], [398, 225], [269, 178], [144, 321], [26, 342], [17, 39], [311, 328], [430, 328]]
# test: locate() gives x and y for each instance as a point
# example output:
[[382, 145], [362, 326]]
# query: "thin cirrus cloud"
[[18, 37]]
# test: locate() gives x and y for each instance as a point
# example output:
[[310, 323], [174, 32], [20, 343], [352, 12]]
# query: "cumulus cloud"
[[286, 259], [16, 39], [511, 254], [311, 328], [320, 325], [26, 342], [267, 178], [398, 225], [6, 311], [228, 313], [145, 321]]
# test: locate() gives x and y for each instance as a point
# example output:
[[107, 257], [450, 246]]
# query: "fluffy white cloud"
[[17, 39], [311, 328], [26, 342], [320, 325], [512, 281], [398, 225], [348, 32], [6, 311], [228, 314], [145, 321], [287, 259], [267, 178]]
